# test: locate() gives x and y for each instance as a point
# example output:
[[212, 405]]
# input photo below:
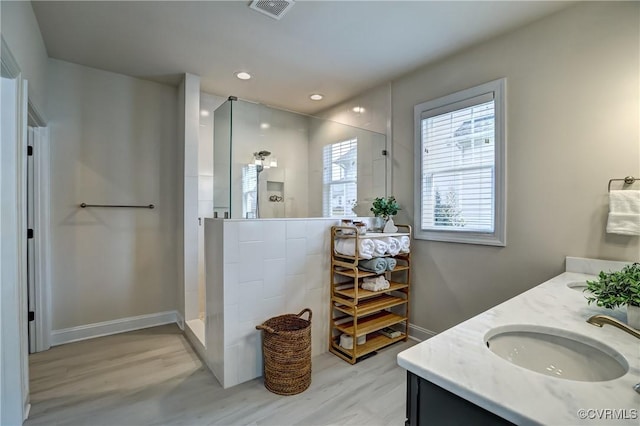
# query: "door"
[[31, 282]]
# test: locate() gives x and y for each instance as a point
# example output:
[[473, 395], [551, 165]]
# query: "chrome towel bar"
[[627, 181], [150, 206]]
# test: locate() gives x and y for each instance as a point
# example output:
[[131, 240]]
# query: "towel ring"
[[628, 180]]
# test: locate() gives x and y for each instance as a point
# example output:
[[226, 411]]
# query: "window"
[[340, 178], [460, 167]]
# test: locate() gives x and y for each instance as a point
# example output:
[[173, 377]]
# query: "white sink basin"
[[556, 353]]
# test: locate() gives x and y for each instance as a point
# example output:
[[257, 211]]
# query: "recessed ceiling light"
[[243, 75], [316, 97], [204, 113], [358, 109], [264, 125]]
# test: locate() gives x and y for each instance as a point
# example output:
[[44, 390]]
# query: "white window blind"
[[340, 178], [249, 191], [460, 177], [458, 164]]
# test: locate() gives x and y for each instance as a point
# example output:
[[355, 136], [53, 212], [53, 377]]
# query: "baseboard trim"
[[106, 328], [27, 411], [180, 320], [419, 334]]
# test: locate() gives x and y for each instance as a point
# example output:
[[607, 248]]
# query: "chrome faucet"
[[600, 320]]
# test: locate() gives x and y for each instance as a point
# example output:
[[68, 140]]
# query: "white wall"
[[21, 32], [372, 113], [573, 124], [14, 380], [191, 84], [114, 141]]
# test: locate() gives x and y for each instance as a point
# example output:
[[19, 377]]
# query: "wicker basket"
[[286, 352]]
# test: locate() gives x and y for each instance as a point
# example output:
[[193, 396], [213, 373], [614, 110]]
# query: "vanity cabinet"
[[357, 312], [429, 404]]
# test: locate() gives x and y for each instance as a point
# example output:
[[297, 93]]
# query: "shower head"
[[261, 155]]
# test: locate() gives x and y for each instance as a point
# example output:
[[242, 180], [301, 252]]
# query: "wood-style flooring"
[[153, 377]]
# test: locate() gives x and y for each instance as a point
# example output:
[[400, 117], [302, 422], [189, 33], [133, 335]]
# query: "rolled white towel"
[[378, 283], [381, 247], [405, 243], [393, 245], [347, 246]]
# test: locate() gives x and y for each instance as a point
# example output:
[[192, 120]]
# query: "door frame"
[[14, 380], [41, 214]]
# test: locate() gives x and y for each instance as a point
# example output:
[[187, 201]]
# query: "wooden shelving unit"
[[358, 312]]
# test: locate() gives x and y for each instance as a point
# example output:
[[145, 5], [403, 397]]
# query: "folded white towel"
[[623, 223], [624, 212], [347, 246], [393, 245], [378, 283], [405, 243], [625, 201], [381, 247]]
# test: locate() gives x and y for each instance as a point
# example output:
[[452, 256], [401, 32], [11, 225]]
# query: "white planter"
[[633, 316]]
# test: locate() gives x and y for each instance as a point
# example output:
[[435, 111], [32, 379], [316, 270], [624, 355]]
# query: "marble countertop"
[[459, 361]]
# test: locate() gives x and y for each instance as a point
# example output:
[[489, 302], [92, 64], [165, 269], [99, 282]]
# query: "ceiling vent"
[[272, 8]]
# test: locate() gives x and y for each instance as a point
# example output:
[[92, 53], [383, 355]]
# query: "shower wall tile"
[[270, 268], [231, 284], [295, 294], [296, 229], [231, 366], [274, 278], [275, 249], [231, 242], [231, 325], [296, 256], [315, 273], [275, 230], [250, 230], [251, 261], [315, 234], [250, 360], [250, 303], [274, 307]]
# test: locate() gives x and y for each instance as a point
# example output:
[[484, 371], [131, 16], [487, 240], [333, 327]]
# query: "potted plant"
[[613, 289], [385, 208]]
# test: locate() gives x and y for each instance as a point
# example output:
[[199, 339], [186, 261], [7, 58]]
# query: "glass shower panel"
[[269, 172], [328, 172], [222, 119], [270, 163]]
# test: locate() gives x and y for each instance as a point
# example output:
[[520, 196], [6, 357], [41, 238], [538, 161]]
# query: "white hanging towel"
[[624, 212]]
